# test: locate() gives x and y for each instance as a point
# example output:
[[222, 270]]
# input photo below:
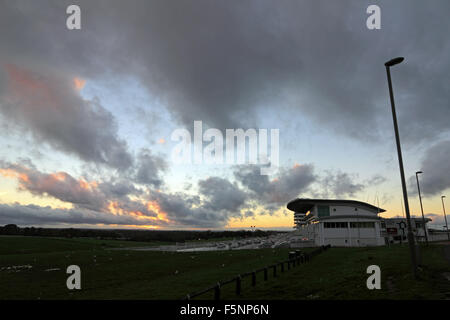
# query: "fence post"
[[217, 291], [238, 285], [274, 270], [253, 278], [265, 273]]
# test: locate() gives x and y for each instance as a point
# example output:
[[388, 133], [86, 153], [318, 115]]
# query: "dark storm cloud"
[[277, 192], [222, 62], [298, 180], [112, 197], [219, 61], [50, 107], [436, 170], [150, 168], [92, 200], [340, 184], [222, 194], [35, 215], [184, 210], [218, 201], [60, 185]]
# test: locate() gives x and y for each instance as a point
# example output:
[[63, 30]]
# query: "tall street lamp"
[[445, 217], [421, 207], [412, 248]]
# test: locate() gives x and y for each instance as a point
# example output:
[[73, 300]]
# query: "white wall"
[[349, 210]]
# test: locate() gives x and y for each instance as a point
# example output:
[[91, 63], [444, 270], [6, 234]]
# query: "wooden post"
[[238, 285], [253, 278], [217, 292]]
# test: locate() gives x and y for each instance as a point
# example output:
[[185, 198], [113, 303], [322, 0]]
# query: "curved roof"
[[304, 205]]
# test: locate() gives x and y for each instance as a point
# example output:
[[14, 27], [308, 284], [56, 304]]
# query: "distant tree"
[[11, 229]]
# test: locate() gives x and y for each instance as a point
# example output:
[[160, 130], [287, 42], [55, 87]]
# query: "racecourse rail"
[[295, 258]]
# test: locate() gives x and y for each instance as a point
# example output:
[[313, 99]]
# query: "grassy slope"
[[116, 274], [340, 273]]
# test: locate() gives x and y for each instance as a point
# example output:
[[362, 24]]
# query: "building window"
[[335, 225], [323, 211], [365, 225]]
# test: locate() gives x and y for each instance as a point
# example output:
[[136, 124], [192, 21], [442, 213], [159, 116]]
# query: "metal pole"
[[421, 208], [402, 175], [445, 217]]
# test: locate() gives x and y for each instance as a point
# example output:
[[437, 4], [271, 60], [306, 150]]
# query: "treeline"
[[132, 235]]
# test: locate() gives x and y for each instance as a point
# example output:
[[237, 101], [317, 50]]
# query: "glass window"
[[323, 211], [362, 225]]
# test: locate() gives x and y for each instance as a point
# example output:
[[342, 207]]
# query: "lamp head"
[[394, 61], [419, 172]]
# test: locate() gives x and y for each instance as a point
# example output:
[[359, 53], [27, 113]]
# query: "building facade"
[[395, 230], [349, 223], [337, 222]]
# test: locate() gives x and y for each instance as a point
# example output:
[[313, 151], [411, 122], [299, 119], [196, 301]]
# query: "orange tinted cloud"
[[154, 207], [84, 194], [11, 173], [79, 83], [60, 176], [114, 208], [88, 185]]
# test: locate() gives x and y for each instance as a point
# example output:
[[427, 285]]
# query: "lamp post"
[[412, 248], [421, 207], [445, 217]]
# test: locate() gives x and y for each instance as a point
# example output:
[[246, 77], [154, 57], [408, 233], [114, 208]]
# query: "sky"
[[87, 116]]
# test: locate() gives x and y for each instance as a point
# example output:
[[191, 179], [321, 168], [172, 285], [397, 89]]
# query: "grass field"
[[116, 274], [339, 273]]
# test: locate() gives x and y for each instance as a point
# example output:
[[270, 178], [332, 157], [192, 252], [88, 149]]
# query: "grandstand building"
[[348, 223]]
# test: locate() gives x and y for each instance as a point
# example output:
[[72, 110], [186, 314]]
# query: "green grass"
[[116, 274], [23, 245], [340, 273]]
